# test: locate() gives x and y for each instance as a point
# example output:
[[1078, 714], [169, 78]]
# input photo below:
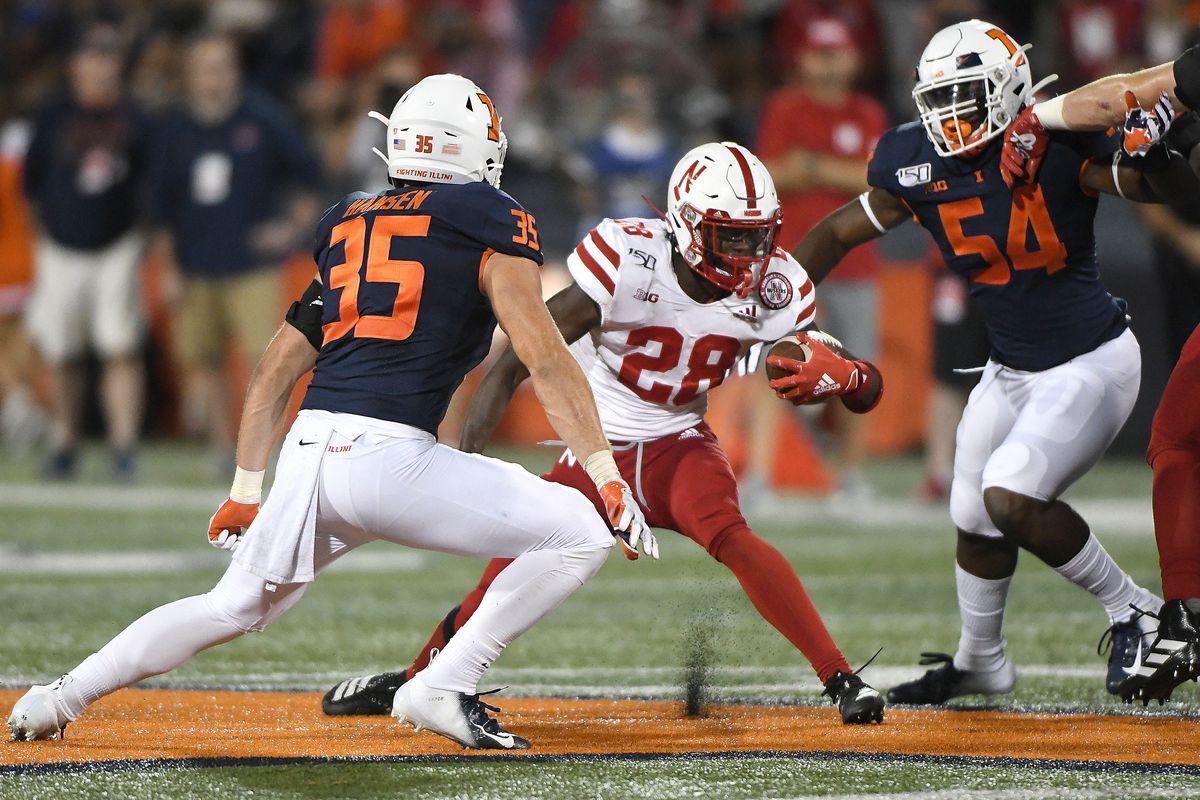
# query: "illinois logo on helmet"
[[724, 215], [445, 129], [971, 82]]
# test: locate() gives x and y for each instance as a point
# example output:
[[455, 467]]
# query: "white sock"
[[528, 589], [1093, 570], [981, 608], [157, 642]]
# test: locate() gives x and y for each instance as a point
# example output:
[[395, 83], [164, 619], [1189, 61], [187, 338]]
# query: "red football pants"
[[1174, 455], [684, 483]]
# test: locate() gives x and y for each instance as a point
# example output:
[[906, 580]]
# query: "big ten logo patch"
[[649, 297]]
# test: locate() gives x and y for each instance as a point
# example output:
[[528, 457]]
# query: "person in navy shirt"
[[1064, 368], [233, 193], [83, 177]]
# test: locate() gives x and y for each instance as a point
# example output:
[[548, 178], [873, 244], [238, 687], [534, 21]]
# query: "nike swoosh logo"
[[306, 444], [505, 739], [1137, 661]]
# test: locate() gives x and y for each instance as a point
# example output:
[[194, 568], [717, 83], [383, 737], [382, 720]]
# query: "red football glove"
[[627, 520], [1024, 148], [229, 524], [824, 375], [1144, 129]]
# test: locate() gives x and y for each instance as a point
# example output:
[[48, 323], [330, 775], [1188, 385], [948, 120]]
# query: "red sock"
[[457, 617], [1177, 521], [775, 590]]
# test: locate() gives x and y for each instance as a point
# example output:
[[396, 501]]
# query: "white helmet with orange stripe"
[[971, 82], [724, 214], [444, 130]]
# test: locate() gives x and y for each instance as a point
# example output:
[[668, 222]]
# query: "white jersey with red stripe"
[[657, 351]]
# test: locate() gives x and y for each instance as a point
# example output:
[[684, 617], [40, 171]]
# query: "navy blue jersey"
[[1029, 254], [405, 317]]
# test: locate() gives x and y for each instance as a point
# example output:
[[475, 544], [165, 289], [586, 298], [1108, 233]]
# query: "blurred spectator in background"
[[793, 28], [633, 154], [83, 178], [1101, 37], [816, 137], [235, 192], [22, 421], [357, 168], [960, 345]]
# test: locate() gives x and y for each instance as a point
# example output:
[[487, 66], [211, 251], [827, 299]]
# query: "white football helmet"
[[445, 129], [724, 214], [972, 81]]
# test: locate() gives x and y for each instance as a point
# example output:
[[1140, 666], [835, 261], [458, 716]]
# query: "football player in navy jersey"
[[1064, 369], [411, 283], [1174, 452]]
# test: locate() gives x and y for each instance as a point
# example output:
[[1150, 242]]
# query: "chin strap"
[[386, 122]]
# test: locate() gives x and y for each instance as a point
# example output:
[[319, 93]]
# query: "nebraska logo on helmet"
[[724, 215], [445, 130], [972, 81]]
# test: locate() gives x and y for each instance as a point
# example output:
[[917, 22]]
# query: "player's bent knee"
[[968, 513], [246, 601], [1012, 513]]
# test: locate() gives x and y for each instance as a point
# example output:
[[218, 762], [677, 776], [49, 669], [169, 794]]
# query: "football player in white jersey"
[[659, 312]]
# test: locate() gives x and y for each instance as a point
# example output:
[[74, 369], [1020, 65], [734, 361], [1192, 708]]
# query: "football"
[[787, 348]]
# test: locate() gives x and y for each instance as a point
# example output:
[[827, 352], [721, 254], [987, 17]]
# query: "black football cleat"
[[1124, 642], [858, 702], [946, 682], [365, 695], [1172, 659]]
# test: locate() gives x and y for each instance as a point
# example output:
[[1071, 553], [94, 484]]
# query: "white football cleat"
[[39, 714], [457, 716]]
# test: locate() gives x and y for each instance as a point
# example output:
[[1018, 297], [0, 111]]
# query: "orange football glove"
[[1024, 148], [1144, 129], [627, 520], [229, 524], [824, 375]]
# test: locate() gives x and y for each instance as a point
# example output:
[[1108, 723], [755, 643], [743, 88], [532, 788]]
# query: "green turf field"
[[79, 562]]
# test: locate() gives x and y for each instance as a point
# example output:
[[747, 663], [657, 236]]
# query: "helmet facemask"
[[962, 112], [729, 253]]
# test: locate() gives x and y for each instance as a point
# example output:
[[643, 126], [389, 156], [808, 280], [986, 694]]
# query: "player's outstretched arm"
[[287, 357], [1174, 183], [514, 286], [868, 217], [574, 313]]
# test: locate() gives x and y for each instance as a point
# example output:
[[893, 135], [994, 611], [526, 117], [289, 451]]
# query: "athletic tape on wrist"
[[601, 468], [247, 486], [1050, 114]]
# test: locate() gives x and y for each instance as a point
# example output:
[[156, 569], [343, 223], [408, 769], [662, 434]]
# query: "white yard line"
[[1112, 516], [14, 561]]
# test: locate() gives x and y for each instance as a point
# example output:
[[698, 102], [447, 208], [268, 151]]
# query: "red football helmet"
[[724, 215]]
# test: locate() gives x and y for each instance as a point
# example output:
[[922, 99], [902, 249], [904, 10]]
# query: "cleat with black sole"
[[947, 681], [367, 695]]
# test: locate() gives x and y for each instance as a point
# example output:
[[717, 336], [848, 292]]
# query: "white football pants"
[[1036, 433], [380, 480]]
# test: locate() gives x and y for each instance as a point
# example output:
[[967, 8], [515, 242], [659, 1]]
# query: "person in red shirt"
[[816, 137]]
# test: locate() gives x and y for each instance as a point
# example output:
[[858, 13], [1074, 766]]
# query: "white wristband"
[[601, 468], [1050, 114], [247, 486]]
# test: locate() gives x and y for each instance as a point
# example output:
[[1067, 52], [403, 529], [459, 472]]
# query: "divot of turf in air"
[[698, 652]]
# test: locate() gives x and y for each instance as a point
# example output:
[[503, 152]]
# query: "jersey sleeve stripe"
[[605, 249], [805, 289], [594, 267], [483, 259], [806, 318]]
